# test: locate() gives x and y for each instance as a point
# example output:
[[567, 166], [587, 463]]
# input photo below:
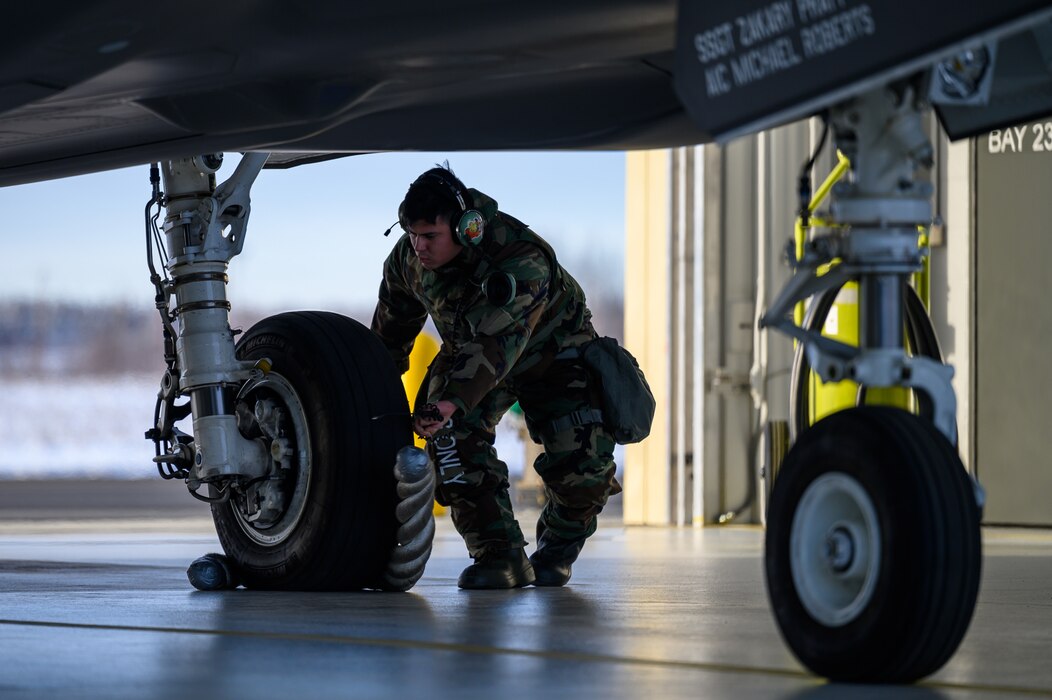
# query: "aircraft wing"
[[94, 85], [89, 86]]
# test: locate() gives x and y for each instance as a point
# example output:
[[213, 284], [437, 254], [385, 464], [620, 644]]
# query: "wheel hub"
[[835, 546], [840, 549], [269, 509]]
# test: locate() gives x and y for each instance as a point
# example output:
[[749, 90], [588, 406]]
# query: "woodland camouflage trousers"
[[577, 464]]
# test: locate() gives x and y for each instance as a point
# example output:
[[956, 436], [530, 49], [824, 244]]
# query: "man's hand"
[[426, 423]]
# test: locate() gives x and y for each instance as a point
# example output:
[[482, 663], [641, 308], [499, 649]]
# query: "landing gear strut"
[[301, 481], [873, 552]]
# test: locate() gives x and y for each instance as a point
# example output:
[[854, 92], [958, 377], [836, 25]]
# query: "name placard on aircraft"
[[754, 64]]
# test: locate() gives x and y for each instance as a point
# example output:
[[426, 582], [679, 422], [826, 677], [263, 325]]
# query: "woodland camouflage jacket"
[[482, 344]]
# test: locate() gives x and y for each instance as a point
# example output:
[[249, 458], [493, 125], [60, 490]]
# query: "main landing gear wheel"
[[324, 518], [873, 549]]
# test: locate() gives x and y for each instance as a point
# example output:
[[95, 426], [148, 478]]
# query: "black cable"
[[920, 339], [804, 182], [162, 445], [799, 380], [151, 222], [149, 241], [224, 494], [153, 234], [752, 460], [160, 243]]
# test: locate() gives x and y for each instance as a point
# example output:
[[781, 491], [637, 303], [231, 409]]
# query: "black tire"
[[920, 341], [341, 530], [898, 608]]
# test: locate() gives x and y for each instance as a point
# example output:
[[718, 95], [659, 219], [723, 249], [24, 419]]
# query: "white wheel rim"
[[277, 533], [835, 548]]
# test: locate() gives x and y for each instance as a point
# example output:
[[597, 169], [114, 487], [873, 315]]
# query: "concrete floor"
[[102, 609]]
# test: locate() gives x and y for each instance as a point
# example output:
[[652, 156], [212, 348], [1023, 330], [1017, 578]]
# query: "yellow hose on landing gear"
[[842, 321]]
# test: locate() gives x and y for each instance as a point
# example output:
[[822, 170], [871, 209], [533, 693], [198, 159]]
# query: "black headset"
[[468, 225]]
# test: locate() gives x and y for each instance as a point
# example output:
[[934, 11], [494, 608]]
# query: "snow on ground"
[[83, 427], [93, 428]]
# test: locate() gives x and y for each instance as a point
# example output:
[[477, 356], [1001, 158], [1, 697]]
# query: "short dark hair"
[[428, 198]]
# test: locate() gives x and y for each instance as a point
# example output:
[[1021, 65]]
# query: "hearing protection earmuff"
[[468, 225]]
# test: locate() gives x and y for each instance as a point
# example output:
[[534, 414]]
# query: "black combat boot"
[[553, 559], [506, 568]]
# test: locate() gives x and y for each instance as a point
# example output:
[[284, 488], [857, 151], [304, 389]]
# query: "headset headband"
[[447, 182], [467, 224]]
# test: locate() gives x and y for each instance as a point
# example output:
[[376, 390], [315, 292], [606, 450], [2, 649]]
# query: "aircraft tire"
[[873, 547], [330, 376]]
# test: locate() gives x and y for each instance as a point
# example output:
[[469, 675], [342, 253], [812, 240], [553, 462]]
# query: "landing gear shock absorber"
[[204, 229]]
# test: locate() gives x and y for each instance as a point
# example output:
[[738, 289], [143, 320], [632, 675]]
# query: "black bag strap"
[[586, 416]]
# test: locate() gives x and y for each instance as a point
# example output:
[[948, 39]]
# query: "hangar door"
[[1013, 421]]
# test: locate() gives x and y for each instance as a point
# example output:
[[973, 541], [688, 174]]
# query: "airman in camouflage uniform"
[[511, 320]]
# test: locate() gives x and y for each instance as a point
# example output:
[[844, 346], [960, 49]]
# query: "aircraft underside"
[[873, 549]]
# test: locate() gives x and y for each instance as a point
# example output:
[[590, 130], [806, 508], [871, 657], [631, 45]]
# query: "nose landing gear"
[[873, 549]]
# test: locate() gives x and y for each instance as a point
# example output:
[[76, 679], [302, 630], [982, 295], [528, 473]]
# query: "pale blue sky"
[[315, 235]]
